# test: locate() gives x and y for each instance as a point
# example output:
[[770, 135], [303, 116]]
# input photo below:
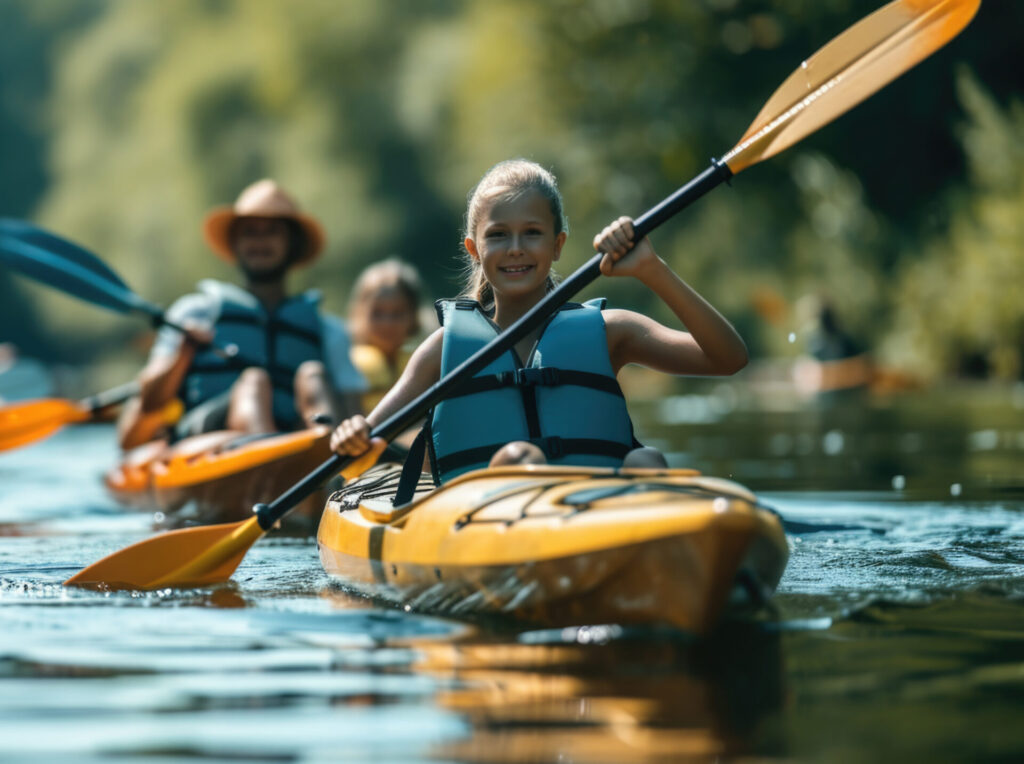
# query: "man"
[[254, 359]]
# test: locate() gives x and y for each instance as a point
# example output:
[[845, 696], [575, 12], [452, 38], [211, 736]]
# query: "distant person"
[[292, 365], [837, 361], [383, 317], [829, 341]]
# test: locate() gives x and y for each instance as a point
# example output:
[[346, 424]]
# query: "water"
[[898, 632]]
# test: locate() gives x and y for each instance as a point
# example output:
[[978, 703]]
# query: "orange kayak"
[[218, 476]]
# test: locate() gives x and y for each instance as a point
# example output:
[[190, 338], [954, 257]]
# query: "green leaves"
[[379, 117]]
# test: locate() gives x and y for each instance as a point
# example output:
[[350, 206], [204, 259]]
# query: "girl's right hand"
[[351, 437], [616, 241]]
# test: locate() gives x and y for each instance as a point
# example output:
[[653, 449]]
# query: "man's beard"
[[265, 275]]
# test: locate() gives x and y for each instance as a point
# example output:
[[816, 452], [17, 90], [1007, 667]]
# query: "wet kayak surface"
[[898, 631]]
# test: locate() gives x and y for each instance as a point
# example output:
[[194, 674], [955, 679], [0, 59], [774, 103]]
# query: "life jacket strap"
[[281, 377], [411, 470], [553, 447], [275, 325], [545, 376], [413, 467]]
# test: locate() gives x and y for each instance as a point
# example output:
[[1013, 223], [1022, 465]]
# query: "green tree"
[[958, 307], [380, 116]]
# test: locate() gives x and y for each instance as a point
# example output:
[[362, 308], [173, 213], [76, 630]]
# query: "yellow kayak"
[[558, 545], [219, 475]]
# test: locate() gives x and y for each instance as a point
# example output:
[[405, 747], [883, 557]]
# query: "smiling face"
[[515, 244], [261, 246]]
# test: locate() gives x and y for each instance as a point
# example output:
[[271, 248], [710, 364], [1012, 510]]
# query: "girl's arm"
[[711, 347], [352, 437]]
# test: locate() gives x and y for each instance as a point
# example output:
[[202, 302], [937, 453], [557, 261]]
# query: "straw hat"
[[263, 199]]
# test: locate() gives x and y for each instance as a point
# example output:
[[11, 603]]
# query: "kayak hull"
[[647, 547], [218, 477]]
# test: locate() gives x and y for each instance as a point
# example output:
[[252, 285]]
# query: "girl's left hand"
[[616, 241]]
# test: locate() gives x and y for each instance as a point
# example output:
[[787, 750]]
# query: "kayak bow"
[[559, 545]]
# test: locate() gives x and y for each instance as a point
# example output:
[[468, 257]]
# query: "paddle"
[[67, 266], [843, 73], [62, 264], [26, 422]]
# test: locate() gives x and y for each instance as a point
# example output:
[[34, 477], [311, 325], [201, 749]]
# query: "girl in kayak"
[[553, 398], [383, 316]]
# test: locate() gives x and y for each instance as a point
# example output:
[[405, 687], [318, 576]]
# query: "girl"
[[383, 316], [555, 397]]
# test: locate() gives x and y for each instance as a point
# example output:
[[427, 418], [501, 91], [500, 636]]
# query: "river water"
[[897, 632]]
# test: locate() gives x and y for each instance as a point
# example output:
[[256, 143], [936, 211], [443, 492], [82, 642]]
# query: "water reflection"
[[901, 631], [640, 697], [898, 681]]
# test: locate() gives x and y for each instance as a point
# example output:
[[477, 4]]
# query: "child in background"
[[554, 397], [383, 316]]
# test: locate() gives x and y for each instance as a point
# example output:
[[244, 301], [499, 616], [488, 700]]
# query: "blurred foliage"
[[129, 120], [29, 37], [961, 311]]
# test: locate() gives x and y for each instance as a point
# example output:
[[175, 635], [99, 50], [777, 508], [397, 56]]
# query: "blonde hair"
[[507, 180], [387, 274]]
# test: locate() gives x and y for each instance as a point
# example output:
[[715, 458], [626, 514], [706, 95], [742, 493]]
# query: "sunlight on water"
[[869, 548], [904, 591]]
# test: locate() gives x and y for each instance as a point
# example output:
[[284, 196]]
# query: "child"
[[554, 397], [383, 316]]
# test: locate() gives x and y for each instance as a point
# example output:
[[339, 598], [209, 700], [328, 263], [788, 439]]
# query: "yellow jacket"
[[379, 374]]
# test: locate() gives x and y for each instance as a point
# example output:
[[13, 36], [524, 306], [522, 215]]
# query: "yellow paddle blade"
[[27, 422], [198, 556], [207, 554], [860, 61], [362, 463]]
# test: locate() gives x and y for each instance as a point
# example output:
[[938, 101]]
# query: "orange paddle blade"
[[198, 556], [860, 61], [207, 554], [27, 422]]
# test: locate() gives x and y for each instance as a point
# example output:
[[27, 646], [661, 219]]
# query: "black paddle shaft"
[[400, 421], [111, 397]]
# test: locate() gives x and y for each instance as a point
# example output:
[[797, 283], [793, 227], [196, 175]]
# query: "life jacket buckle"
[[531, 377], [552, 447]]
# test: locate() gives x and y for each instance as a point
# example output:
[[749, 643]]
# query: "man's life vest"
[[564, 398], [279, 341]]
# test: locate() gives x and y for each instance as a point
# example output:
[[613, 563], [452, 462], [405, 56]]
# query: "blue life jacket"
[[278, 341], [564, 398]]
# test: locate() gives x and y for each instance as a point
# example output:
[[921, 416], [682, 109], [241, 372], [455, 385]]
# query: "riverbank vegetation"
[[122, 123]]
